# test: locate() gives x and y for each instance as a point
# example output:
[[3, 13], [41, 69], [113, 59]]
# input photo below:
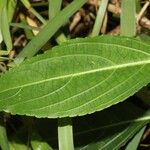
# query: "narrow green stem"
[[65, 134], [3, 136]]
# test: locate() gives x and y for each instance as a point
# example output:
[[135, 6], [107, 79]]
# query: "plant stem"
[[65, 134]]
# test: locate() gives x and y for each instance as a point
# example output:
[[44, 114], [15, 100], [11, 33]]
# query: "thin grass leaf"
[[54, 8], [133, 144], [100, 18], [1, 6], [48, 31], [24, 25], [4, 24], [27, 29], [128, 18], [114, 130], [11, 9], [27, 4]]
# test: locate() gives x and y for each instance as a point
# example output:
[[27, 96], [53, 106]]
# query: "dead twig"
[[104, 25], [141, 13]]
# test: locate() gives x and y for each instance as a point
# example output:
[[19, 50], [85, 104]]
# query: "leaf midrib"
[[120, 66]]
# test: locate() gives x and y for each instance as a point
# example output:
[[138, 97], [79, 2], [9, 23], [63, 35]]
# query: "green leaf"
[[128, 18], [133, 144], [112, 131], [77, 78]]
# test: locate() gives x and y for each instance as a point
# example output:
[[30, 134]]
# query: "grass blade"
[[100, 17], [133, 145], [4, 24], [27, 29], [11, 9], [128, 18], [114, 130], [54, 8], [48, 31], [24, 24], [33, 11]]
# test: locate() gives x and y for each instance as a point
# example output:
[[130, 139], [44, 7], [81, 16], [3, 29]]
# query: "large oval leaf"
[[77, 78]]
